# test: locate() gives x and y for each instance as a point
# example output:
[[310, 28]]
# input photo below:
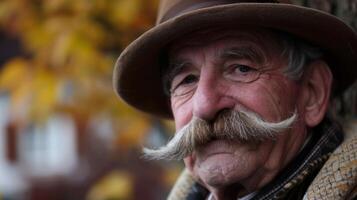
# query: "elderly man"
[[248, 85]]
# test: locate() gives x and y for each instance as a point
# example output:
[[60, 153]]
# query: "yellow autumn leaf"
[[124, 12], [14, 73], [45, 94], [83, 52], [116, 185], [60, 50], [91, 30], [37, 39]]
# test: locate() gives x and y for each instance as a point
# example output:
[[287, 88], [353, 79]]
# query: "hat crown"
[[171, 8]]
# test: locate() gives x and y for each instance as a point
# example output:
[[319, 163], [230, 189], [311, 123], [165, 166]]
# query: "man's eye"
[[242, 68], [189, 79], [185, 85], [242, 73]]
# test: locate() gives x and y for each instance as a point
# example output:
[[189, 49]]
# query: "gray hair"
[[299, 54]]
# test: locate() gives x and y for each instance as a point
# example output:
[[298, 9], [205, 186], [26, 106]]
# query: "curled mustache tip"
[[163, 154], [149, 154]]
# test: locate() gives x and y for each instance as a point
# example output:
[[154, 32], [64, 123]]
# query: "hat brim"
[[137, 74]]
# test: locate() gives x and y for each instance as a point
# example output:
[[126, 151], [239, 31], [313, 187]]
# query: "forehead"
[[263, 39]]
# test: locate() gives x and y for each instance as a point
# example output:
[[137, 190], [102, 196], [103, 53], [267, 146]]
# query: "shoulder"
[[338, 177]]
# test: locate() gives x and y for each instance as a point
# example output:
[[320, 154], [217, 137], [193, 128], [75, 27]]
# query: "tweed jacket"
[[326, 168]]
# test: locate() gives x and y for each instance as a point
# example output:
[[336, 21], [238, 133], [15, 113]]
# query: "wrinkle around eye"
[[241, 73], [184, 85], [179, 100]]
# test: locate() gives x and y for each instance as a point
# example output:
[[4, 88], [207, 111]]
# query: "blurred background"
[[64, 134]]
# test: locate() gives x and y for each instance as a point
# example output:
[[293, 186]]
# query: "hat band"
[[186, 6]]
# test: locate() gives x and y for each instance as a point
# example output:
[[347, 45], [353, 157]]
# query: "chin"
[[217, 180], [223, 170], [222, 163]]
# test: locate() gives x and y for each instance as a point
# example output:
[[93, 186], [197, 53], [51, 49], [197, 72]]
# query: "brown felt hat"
[[137, 74]]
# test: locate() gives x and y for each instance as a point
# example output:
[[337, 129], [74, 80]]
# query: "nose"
[[211, 97]]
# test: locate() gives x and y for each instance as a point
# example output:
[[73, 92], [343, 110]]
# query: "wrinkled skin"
[[229, 169]]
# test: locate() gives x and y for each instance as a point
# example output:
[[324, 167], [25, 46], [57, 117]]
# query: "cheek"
[[182, 112], [274, 99]]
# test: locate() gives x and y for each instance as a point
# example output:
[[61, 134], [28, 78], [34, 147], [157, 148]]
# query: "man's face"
[[237, 70]]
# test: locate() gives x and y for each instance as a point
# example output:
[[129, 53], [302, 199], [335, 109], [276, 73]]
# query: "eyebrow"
[[176, 66], [245, 52]]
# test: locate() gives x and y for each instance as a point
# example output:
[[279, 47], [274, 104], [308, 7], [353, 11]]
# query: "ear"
[[317, 81]]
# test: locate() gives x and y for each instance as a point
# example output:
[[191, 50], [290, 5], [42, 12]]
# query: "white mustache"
[[230, 125]]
